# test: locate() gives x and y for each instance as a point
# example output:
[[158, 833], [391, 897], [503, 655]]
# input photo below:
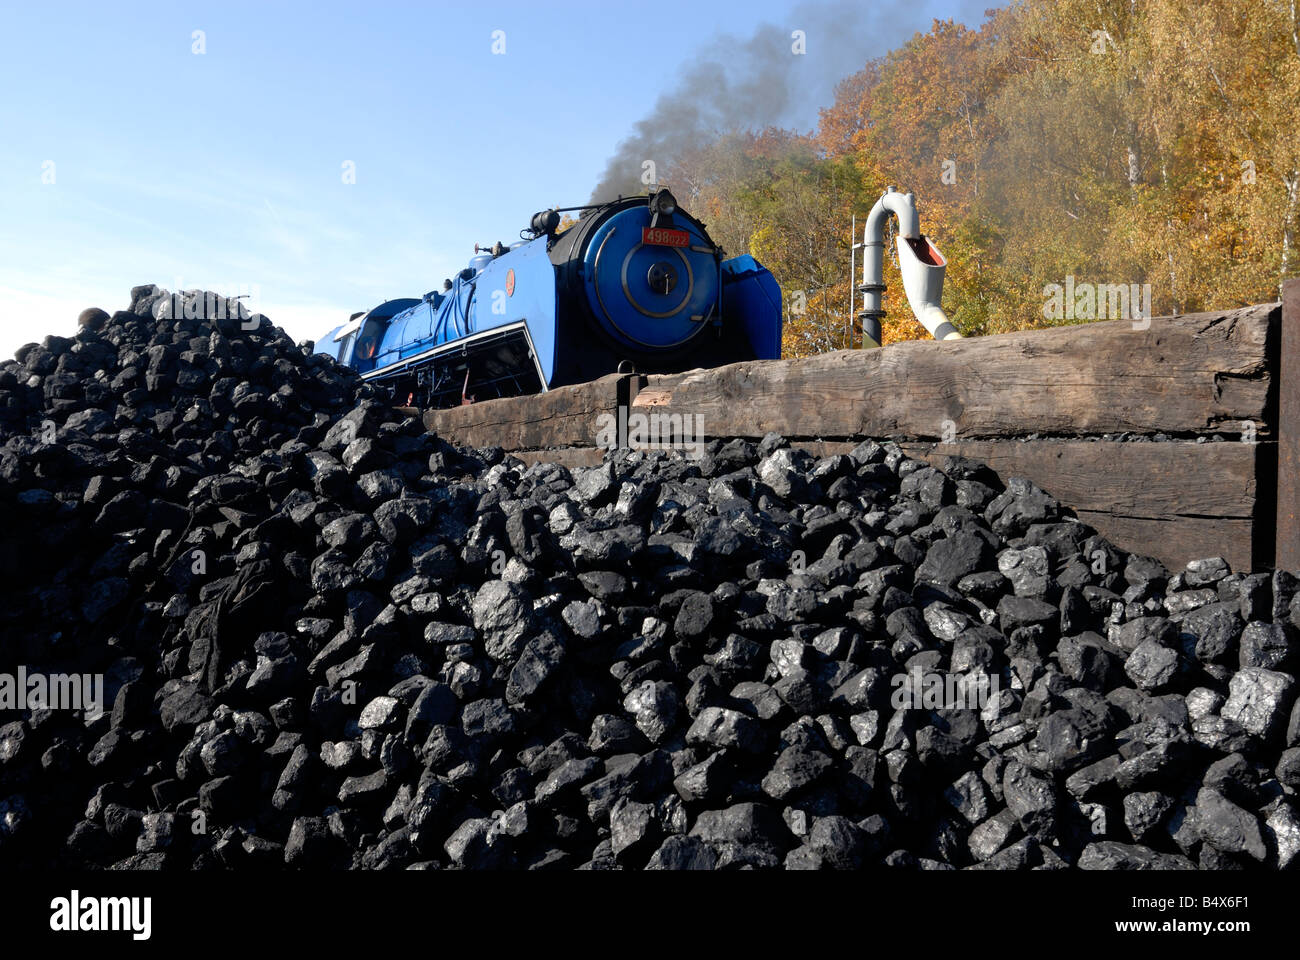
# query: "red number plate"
[[665, 238]]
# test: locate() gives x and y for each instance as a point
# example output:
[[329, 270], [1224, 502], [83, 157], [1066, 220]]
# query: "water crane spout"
[[919, 260]]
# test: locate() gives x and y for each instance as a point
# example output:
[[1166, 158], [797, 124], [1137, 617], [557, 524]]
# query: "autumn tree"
[[1112, 141], [776, 196]]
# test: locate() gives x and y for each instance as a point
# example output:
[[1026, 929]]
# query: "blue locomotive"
[[634, 285]]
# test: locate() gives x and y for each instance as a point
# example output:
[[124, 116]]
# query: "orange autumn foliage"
[[1116, 143]]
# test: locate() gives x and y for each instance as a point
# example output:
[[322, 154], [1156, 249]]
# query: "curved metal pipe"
[[919, 261]]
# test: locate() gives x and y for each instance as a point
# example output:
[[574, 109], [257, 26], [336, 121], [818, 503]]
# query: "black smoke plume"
[[738, 84]]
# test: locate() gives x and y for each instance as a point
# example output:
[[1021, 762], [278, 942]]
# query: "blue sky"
[[126, 157]]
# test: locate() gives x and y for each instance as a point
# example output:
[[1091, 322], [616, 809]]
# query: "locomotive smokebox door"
[[650, 286]]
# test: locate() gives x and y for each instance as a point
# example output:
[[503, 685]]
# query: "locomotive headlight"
[[665, 203], [662, 207], [545, 222]]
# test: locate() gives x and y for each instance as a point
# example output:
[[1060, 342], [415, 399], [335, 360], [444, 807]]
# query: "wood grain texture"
[[566, 417], [1175, 501], [1174, 543], [1182, 375], [566, 456], [1162, 481]]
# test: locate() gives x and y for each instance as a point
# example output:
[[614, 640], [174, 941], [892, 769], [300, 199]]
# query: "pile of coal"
[[328, 639]]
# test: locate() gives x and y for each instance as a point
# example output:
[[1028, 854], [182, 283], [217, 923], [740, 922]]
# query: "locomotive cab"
[[367, 344], [345, 338]]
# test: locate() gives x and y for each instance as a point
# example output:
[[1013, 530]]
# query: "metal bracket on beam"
[[625, 392]]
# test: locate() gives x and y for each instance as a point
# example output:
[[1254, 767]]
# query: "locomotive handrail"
[[454, 313]]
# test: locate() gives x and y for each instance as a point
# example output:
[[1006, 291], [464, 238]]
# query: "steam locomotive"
[[634, 285]]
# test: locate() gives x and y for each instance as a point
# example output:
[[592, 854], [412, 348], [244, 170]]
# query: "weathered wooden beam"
[[1175, 542], [1180, 375], [565, 456], [1159, 481], [1174, 500], [566, 417], [1032, 404]]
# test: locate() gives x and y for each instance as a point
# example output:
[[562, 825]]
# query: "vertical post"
[[853, 281], [625, 390], [1287, 545]]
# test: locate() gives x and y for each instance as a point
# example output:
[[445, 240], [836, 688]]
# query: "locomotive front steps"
[[1165, 436]]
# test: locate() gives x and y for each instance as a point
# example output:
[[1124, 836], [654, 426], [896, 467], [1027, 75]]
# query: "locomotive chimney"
[[919, 261]]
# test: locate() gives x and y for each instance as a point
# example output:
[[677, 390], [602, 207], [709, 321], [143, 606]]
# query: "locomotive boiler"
[[636, 284]]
